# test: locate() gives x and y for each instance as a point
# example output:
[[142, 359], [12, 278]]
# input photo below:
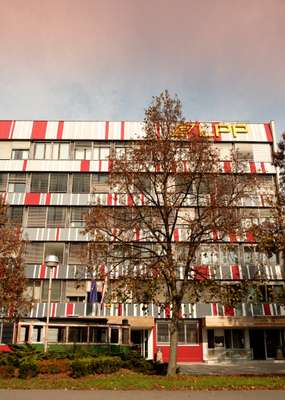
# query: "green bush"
[[28, 368], [99, 365]]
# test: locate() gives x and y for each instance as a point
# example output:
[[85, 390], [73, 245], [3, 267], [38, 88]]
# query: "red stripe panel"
[[249, 236], [39, 130], [59, 130], [24, 168], [42, 271], [5, 129], [233, 237], [268, 132], [69, 309], [227, 166], [109, 199], [110, 165], [201, 272], [214, 309], [119, 310], [263, 169], [167, 311], [176, 235], [235, 272], [122, 130], [229, 311], [106, 130], [57, 233], [130, 200], [137, 235], [215, 234], [85, 166], [32, 199], [266, 308], [48, 197], [53, 310], [252, 167]]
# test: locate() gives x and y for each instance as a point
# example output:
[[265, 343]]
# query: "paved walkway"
[[242, 368], [139, 395]]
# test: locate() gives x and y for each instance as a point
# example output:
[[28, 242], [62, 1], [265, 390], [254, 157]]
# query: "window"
[[98, 335], [51, 151], [77, 253], [77, 334], [101, 153], [58, 183], [188, 332], [53, 183], [39, 182], [182, 185], [20, 154], [37, 217], [244, 151], [56, 217], [77, 216], [102, 178], [3, 182], [15, 214], [55, 290], [82, 150], [56, 249], [34, 253], [17, 183], [81, 183], [234, 338]]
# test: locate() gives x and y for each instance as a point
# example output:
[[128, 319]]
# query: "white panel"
[[23, 130], [51, 131], [5, 150], [115, 130], [262, 152]]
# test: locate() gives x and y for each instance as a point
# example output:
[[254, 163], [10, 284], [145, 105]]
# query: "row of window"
[[88, 150], [74, 334], [53, 182], [188, 332], [43, 182], [75, 253], [60, 216], [61, 291]]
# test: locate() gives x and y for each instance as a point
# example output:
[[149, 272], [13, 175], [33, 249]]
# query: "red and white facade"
[[47, 169]]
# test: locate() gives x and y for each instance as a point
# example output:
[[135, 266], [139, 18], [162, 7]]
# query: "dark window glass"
[[39, 183], [81, 183]]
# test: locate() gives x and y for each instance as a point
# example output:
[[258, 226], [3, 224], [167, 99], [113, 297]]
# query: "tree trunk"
[[171, 370]]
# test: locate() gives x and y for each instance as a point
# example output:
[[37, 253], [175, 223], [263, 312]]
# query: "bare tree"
[[12, 280], [174, 197]]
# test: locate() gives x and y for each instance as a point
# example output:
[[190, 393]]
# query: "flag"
[[93, 295], [104, 289]]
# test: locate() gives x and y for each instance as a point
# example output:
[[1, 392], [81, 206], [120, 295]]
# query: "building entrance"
[[265, 343], [139, 341]]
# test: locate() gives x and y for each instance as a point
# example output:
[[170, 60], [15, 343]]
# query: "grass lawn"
[[125, 380]]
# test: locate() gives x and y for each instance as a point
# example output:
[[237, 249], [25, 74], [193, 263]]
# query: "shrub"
[[7, 371], [54, 366], [28, 368], [99, 365]]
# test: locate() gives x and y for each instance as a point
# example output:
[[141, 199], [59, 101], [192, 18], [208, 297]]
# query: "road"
[[139, 395]]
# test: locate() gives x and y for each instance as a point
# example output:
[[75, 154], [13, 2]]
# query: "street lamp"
[[51, 262]]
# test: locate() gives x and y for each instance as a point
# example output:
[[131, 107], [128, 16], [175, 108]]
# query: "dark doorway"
[[257, 344], [272, 342]]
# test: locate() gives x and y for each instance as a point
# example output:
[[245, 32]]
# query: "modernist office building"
[[48, 170]]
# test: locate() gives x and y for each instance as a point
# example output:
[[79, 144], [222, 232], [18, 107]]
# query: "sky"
[[105, 59]]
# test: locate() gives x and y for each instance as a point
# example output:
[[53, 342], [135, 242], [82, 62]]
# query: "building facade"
[[51, 171]]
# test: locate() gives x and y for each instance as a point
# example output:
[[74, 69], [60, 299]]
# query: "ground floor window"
[[77, 334], [234, 338], [188, 332]]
